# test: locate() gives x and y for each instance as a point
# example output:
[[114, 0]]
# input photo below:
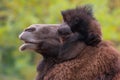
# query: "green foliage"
[[15, 15]]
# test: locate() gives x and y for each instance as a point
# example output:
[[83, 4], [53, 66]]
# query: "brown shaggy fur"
[[83, 56], [92, 63]]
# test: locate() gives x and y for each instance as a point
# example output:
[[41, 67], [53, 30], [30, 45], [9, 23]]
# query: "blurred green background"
[[15, 15]]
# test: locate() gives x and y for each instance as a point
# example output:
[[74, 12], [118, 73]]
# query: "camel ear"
[[66, 15], [63, 15], [93, 39]]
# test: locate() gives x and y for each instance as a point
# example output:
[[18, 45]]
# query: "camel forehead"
[[44, 30], [40, 26]]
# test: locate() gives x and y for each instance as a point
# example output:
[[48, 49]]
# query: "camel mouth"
[[30, 42], [28, 45]]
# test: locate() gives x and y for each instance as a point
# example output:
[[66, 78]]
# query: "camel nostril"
[[30, 29], [20, 37]]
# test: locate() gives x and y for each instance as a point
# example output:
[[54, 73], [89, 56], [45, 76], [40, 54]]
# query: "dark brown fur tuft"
[[81, 20]]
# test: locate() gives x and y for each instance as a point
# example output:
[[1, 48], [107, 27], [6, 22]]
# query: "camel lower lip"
[[22, 47]]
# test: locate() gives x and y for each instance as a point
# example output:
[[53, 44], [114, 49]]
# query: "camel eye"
[[64, 31], [45, 31]]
